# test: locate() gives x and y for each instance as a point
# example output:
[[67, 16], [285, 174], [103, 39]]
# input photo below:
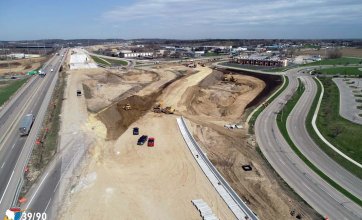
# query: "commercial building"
[[261, 61], [132, 54]]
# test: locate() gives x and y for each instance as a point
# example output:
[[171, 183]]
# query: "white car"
[[51, 70]]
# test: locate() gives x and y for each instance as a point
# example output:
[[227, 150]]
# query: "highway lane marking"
[[48, 204], [6, 188], [21, 112], [13, 146], [3, 165], [36, 191]]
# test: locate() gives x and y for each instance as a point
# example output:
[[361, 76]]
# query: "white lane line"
[[6, 188], [36, 191], [13, 146], [48, 204], [56, 187], [2, 165]]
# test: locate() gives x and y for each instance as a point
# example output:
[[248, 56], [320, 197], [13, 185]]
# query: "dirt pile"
[[117, 119], [214, 97]]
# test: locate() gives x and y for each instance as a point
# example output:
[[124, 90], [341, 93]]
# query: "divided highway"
[[300, 136], [313, 189], [15, 150]]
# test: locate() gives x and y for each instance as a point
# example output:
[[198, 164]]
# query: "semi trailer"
[[26, 124]]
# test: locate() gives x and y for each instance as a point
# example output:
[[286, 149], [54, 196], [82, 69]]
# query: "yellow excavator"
[[127, 107], [159, 109]]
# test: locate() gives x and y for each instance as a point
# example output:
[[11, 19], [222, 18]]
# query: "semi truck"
[[26, 124], [42, 73]]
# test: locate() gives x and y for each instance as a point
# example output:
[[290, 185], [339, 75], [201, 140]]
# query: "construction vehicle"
[[159, 109], [168, 110], [127, 107], [229, 78]]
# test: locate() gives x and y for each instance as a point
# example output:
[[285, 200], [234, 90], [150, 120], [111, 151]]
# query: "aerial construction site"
[[140, 181]]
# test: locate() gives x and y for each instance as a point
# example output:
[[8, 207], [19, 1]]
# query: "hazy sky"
[[183, 19]]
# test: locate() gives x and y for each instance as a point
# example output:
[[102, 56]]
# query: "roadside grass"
[[340, 132], [281, 122], [100, 61], [8, 90], [211, 54], [117, 62], [111, 62], [278, 69], [330, 152], [341, 71], [256, 114], [337, 61]]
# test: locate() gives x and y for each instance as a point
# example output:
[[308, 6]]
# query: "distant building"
[[261, 61], [131, 54]]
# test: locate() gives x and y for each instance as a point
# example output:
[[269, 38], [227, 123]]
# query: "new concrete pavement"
[[15, 150], [312, 188], [300, 136]]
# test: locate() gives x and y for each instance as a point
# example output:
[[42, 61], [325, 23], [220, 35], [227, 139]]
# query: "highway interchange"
[[14, 151]]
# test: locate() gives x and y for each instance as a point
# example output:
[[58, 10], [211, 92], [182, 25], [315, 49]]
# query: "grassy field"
[[330, 152], [281, 121], [117, 62], [8, 90], [338, 61], [111, 61], [256, 114], [100, 61], [341, 70], [340, 132]]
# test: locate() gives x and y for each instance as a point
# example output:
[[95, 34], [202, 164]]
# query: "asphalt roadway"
[[313, 189], [15, 150], [299, 135]]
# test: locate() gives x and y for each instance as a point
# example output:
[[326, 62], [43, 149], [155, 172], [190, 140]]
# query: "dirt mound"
[[140, 76], [216, 98], [117, 120]]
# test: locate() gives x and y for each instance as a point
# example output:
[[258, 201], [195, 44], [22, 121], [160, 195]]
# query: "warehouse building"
[[261, 61], [132, 54]]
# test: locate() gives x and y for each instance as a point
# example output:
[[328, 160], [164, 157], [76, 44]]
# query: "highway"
[[15, 150], [312, 188], [299, 134]]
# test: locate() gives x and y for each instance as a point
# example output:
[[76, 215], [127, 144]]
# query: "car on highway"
[[142, 140], [135, 131], [51, 70], [151, 142], [26, 124]]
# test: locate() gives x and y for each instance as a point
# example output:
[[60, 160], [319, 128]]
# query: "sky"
[[180, 19]]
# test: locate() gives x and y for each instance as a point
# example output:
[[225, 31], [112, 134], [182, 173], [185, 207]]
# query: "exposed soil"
[[218, 99], [267, 196], [21, 66], [117, 120]]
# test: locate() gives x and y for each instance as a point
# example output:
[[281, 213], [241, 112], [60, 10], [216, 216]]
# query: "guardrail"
[[237, 206]]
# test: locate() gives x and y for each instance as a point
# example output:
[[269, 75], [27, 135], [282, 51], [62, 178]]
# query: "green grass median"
[[340, 132], [8, 90], [281, 121]]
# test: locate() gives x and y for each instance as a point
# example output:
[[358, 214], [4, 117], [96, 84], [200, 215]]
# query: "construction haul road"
[[15, 150], [313, 189]]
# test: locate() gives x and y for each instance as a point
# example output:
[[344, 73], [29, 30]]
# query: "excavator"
[[229, 78], [159, 109], [127, 107]]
